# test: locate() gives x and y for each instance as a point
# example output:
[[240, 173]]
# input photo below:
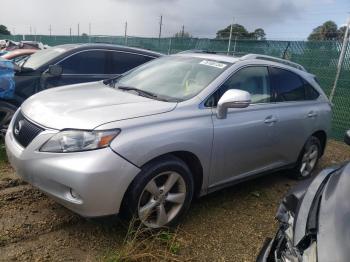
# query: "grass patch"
[[143, 244]]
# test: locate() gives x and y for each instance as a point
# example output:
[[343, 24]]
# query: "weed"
[[143, 244]]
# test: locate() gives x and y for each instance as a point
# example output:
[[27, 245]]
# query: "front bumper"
[[90, 183]]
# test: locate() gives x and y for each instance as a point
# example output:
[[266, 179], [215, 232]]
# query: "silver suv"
[[175, 128]]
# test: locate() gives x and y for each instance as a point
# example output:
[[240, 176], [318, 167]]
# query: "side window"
[[123, 62], [86, 62], [311, 92], [287, 85], [253, 79]]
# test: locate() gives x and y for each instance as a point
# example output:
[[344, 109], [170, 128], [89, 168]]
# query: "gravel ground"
[[229, 225]]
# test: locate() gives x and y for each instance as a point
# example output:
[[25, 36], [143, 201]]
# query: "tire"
[[151, 199], [7, 111], [308, 159]]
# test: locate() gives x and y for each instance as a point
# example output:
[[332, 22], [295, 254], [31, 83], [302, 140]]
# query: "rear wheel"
[[7, 111], [308, 158], [161, 194]]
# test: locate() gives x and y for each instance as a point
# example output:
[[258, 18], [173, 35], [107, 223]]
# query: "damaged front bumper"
[[281, 248]]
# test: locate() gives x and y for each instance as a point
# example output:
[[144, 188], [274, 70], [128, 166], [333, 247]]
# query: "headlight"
[[79, 140]]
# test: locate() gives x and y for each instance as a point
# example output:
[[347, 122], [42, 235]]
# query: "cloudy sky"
[[281, 19]]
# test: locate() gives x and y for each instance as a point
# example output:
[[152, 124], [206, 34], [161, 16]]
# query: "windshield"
[[174, 77], [41, 57]]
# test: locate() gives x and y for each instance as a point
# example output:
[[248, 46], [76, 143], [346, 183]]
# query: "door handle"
[[270, 119], [312, 114]]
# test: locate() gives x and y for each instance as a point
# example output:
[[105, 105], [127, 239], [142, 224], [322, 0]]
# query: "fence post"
[[341, 60], [285, 51], [169, 47]]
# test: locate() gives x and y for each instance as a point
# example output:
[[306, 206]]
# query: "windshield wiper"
[[139, 91]]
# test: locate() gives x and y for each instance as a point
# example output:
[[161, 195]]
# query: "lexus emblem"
[[18, 127]]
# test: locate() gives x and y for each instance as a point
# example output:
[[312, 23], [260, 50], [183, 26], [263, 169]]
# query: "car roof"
[[273, 61], [86, 46], [217, 57]]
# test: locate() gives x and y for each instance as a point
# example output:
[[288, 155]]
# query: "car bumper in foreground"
[[265, 250], [90, 183]]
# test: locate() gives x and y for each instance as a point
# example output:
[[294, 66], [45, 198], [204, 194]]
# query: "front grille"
[[25, 131]]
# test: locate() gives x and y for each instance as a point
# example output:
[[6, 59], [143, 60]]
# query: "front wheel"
[[308, 158], [161, 194]]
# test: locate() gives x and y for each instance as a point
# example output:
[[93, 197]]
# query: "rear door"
[[298, 112]]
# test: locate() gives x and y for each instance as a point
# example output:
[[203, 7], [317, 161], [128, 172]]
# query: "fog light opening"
[[74, 194]]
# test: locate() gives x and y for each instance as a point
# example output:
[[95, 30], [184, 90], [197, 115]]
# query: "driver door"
[[84, 66], [244, 141]]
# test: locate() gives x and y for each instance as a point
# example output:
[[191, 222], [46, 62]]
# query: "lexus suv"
[[146, 143], [62, 65]]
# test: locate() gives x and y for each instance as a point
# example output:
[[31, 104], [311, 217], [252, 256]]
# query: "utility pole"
[[30, 29], [341, 59], [126, 33], [50, 29], [229, 41], [70, 31], [183, 31], [89, 32], [78, 30], [160, 27]]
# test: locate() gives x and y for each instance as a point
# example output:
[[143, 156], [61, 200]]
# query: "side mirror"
[[347, 137], [55, 70], [233, 98]]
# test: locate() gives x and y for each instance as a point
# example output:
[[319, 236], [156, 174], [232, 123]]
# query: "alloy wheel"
[[309, 160], [162, 199]]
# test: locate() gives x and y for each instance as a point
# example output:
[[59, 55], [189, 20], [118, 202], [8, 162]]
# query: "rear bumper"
[[90, 183]]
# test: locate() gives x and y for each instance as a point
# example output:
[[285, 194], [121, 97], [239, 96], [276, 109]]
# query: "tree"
[[4, 30], [259, 34], [327, 31], [84, 35], [240, 31], [341, 32], [182, 34], [237, 30]]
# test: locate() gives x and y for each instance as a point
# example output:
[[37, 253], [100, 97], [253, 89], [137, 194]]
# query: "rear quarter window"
[[289, 86]]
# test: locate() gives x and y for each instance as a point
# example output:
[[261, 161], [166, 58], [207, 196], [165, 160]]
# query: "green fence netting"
[[318, 57]]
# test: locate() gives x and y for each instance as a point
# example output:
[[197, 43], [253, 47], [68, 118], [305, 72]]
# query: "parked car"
[[19, 54], [67, 64], [314, 220], [175, 128]]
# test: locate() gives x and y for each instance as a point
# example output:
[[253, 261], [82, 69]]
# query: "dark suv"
[[63, 65]]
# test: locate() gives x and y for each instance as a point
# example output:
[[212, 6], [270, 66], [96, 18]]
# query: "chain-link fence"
[[319, 58]]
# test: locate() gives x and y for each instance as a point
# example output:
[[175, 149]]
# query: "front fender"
[[144, 139]]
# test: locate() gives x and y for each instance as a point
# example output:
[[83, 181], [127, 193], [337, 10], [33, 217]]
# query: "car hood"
[[88, 105]]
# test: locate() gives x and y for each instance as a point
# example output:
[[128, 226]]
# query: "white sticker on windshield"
[[213, 63]]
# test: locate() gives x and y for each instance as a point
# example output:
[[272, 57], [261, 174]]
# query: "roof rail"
[[273, 59], [199, 51]]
